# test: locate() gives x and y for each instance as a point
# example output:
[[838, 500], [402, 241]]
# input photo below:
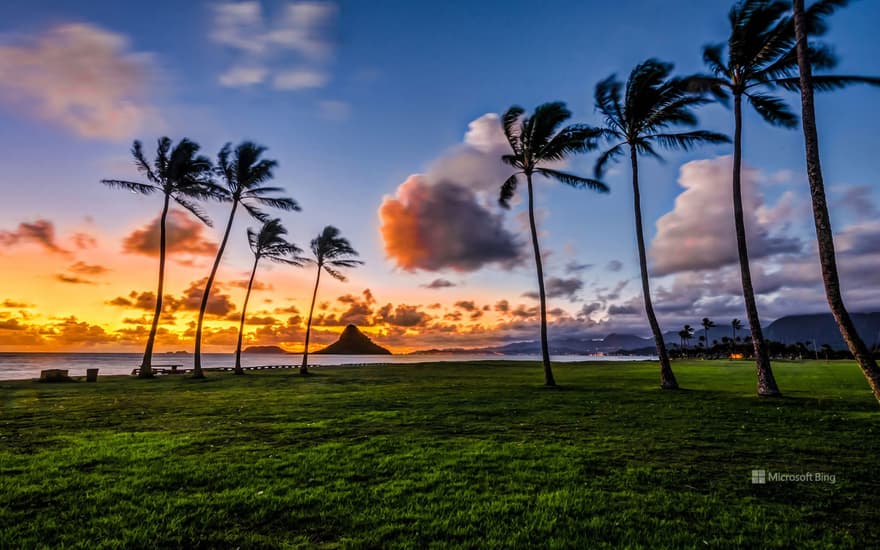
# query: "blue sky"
[[399, 83]]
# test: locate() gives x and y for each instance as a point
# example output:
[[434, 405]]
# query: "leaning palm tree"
[[536, 143], [757, 55], [182, 176], [331, 252], [762, 56], [707, 324], [809, 22], [245, 175], [268, 243], [637, 119]]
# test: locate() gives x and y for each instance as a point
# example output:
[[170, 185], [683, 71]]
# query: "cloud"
[[443, 226], [243, 76], [699, 232], [403, 315], [82, 77], [293, 46], [83, 268], [73, 279], [40, 232], [556, 287], [614, 266], [858, 200], [11, 304], [575, 267], [439, 283], [184, 235], [300, 79]]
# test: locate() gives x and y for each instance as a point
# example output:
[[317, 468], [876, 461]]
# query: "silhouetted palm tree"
[[182, 176], [245, 176], [688, 333], [636, 120], [536, 142], [707, 324], [268, 243], [758, 54], [735, 325], [808, 22], [331, 253]]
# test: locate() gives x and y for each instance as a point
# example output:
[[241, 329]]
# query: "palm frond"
[[283, 203], [712, 57], [132, 186], [508, 189], [577, 138], [335, 274], [194, 209], [544, 122], [512, 129], [137, 151], [687, 140], [572, 180], [773, 110], [606, 157], [828, 83]]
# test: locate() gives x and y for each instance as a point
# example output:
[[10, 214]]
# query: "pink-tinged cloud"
[[699, 232], [442, 226], [80, 76], [184, 234], [40, 232]]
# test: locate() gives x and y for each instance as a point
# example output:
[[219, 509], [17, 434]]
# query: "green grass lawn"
[[450, 455]]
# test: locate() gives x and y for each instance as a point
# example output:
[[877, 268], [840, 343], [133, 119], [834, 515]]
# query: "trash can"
[[91, 375]]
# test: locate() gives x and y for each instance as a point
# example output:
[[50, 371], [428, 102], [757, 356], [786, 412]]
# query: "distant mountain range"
[[819, 329]]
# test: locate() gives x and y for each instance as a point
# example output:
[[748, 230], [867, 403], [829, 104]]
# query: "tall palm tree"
[[757, 56], [331, 252], [736, 325], [268, 243], [536, 143], [707, 324], [636, 120], [805, 23], [182, 176], [245, 175]]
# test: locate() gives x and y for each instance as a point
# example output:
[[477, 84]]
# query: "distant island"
[[353, 342], [265, 349]]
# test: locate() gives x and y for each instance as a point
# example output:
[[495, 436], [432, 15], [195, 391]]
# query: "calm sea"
[[29, 365]]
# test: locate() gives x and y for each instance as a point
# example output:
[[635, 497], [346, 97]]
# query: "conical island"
[[353, 342]]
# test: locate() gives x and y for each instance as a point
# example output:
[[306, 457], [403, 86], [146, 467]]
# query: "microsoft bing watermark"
[[762, 477]]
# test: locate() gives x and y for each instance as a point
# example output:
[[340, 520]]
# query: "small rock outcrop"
[[353, 342]]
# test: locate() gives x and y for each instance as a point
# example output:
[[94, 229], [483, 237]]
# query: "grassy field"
[[453, 455]]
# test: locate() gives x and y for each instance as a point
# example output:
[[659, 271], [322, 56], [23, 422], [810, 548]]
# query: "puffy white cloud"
[[699, 232], [243, 76], [80, 76]]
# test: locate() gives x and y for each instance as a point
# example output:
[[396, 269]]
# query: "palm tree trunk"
[[766, 382], [824, 235], [304, 369], [197, 365], [545, 350], [146, 370], [247, 297], [667, 378]]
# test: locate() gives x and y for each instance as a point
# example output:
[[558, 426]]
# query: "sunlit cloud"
[[80, 76]]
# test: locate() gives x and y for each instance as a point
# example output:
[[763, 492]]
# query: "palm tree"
[[757, 56], [268, 243], [736, 325], [331, 252], [806, 22], [245, 175], [180, 175], [707, 324], [536, 142], [688, 332], [635, 123]]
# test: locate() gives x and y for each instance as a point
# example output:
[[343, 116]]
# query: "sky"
[[383, 117]]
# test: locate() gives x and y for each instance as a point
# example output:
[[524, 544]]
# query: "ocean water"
[[28, 365]]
